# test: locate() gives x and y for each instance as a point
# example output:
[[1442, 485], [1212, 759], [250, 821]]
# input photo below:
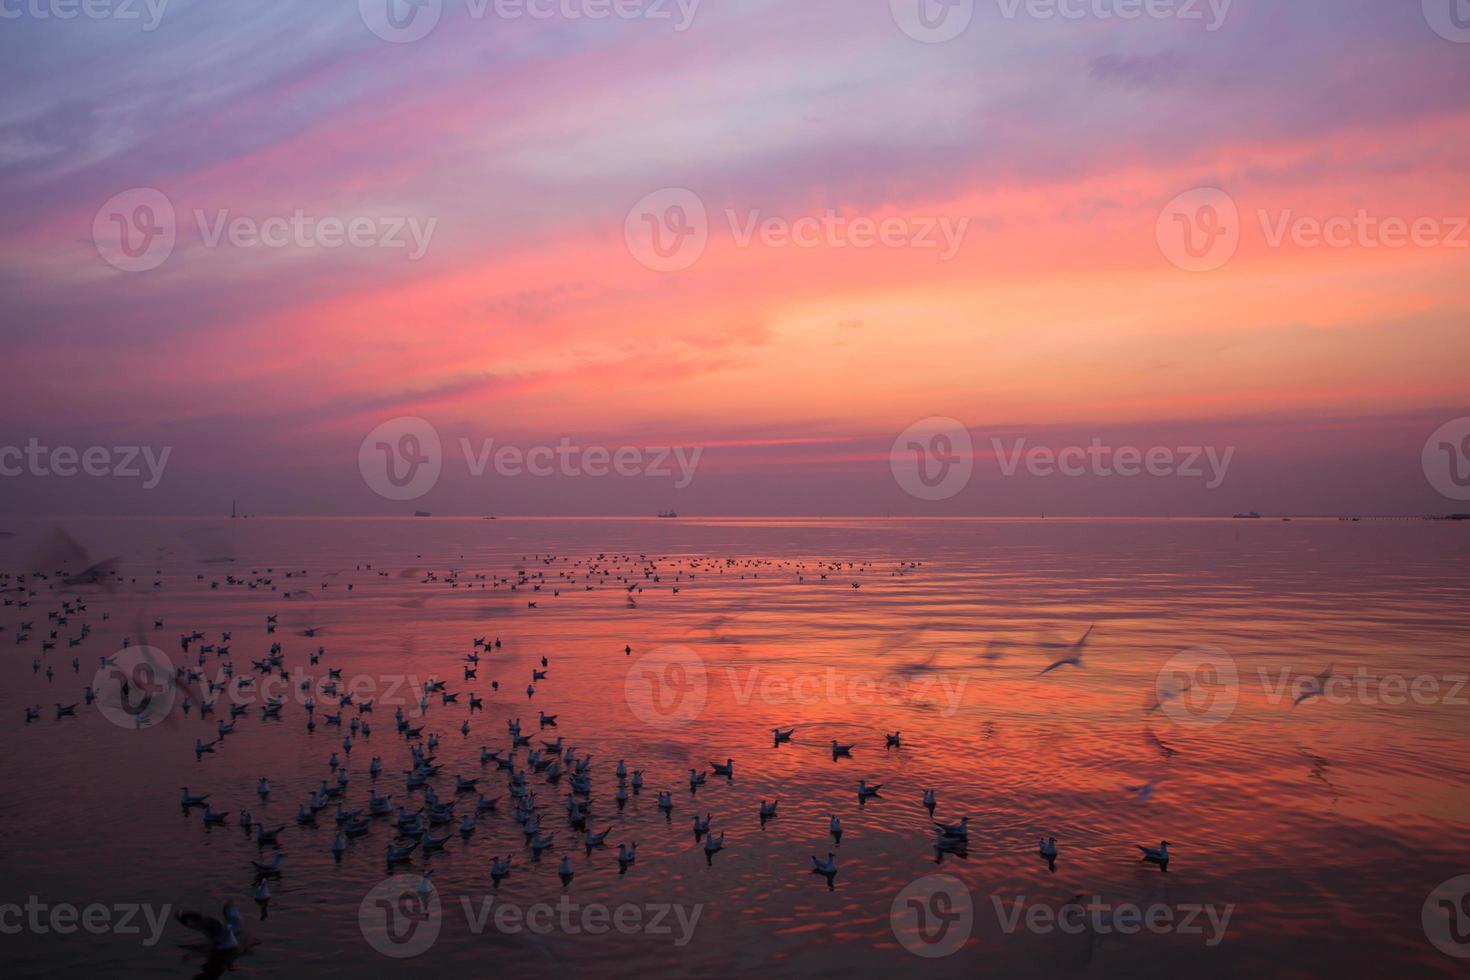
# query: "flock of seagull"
[[438, 808]]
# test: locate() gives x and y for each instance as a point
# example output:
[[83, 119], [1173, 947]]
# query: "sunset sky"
[[1057, 143]]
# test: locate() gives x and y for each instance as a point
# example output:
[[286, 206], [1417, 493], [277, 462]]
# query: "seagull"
[[271, 867], [1048, 850], [626, 856], [894, 741], [564, 870], [1160, 696], [1314, 687], [768, 810], [1141, 794], [864, 791], [728, 769], [221, 935], [835, 827], [995, 651], [838, 750], [1159, 856], [499, 869], [781, 736], [1075, 658], [961, 829], [186, 800], [827, 867], [398, 854], [929, 801]]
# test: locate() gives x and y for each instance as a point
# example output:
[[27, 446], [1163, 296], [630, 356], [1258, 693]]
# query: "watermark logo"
[[149, 11], [1363, 229], [1449, 18], [1446, 459], [1093, 914], [401, 21], [1206, 463], [835, 687], [1211, 13], [401, 459], [399, 919], [41, 461], [135, 230], [667, 687], [1339, 687], [306, 231], [41, 918], [1199, 231], [1446, 917], [571, 460], [834, 230], [932, 21], [933, 916], [659, 919], [135, 687], [933, 459], [1198, 687], [668, 230]]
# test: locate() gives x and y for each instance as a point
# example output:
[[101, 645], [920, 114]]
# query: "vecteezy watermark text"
[[401, 917], [1095, 459], [592, 918], [42, 918], [150, 12], [406, 21], [670, 685], [1201, 230], [933, 459], [35, 459], [1201, 687], [669, 230], [1092, 914], [138, 229], [403, 458], [565, 459], [937, 21]]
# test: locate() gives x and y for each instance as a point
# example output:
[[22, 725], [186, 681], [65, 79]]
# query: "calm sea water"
[[1321, 828]]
